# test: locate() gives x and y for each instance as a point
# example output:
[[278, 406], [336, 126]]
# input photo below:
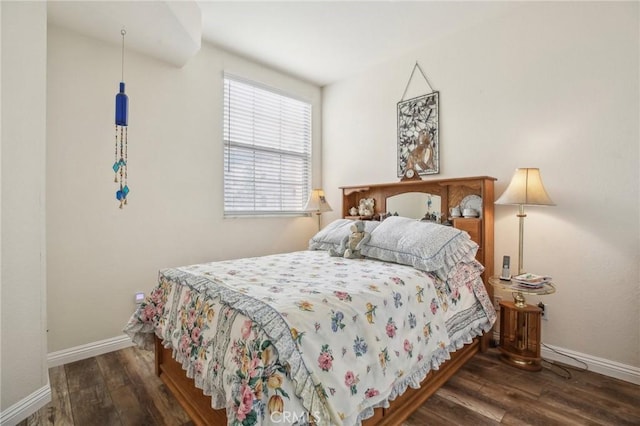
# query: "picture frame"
[[418, 136]]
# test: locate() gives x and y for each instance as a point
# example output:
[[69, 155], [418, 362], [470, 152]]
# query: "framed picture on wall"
[[418, 141]]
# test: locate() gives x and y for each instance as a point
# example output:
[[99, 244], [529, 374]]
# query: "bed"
[[308, 338]]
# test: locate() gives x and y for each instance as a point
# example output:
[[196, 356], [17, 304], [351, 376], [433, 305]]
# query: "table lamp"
[[525, 189], [317, 203]]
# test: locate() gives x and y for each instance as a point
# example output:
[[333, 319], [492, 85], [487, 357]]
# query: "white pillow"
[[332, 235], [424, 245]]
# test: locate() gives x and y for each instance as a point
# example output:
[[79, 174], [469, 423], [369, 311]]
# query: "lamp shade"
[[317, 203], [526, 189]]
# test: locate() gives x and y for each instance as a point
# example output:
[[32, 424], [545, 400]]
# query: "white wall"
[[551, 85], [99, 255], [23, 118]]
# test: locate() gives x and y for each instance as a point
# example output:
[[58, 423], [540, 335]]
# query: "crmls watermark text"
[[291, 417]]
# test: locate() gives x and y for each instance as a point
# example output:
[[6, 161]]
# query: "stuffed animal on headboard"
[[366, 207], [350, 245]]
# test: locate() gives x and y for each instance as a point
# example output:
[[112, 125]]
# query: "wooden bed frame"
[[451, 191]]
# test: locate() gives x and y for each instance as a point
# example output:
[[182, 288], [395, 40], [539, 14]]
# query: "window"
[[267, 150]]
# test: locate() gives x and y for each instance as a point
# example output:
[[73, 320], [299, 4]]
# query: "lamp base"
[[519, 300], [525, 364]]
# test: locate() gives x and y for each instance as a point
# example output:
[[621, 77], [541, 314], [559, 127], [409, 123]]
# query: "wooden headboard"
[[451, 191]]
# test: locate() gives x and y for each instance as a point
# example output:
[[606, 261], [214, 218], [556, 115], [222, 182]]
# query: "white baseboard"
[[26, 406], [41, 397], [89, 350], [614, 369], [609, 368]]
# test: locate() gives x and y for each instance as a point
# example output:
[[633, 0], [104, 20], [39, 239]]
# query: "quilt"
[[288, 338]]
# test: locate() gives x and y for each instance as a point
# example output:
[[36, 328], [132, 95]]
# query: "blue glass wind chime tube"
[[122, 107], [121, 148]]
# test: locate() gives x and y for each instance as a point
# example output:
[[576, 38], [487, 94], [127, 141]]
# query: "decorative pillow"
[[332, 235], [426, 246]]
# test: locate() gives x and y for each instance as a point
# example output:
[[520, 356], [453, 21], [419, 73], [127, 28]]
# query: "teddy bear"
[[351, 244], [365, 207]]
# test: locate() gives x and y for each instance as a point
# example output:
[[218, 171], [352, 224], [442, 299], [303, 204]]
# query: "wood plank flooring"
[[120, 388]]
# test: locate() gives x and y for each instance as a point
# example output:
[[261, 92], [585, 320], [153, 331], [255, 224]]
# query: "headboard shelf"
[[451, 191]]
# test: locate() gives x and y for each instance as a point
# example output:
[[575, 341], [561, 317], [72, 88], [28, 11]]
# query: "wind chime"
[[122, 118]]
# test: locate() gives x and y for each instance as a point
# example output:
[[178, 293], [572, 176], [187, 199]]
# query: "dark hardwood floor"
[[120, 388]]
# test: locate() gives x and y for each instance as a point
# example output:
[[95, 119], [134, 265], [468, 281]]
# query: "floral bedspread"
[[280, 339]]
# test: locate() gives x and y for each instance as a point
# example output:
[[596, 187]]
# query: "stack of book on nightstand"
[[530, 281]]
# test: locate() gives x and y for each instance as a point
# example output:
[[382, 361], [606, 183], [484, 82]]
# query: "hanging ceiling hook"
[[123, 32]]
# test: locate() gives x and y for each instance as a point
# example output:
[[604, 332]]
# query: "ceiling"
[[317, 41], [325, 41], [166, 30]]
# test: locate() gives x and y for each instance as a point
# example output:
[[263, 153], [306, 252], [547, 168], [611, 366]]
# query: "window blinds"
[[267, 150]]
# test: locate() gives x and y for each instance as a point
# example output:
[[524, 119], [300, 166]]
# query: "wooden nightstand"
[[520, 326]]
